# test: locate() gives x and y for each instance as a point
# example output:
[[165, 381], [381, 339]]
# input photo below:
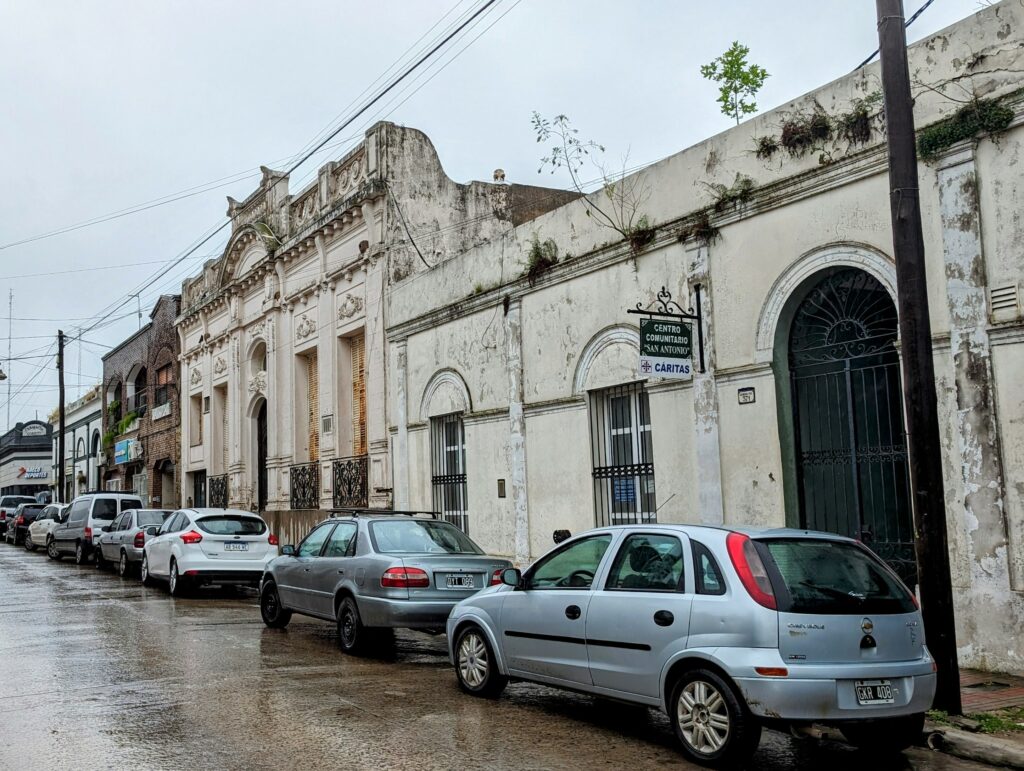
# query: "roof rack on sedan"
[[365, 512]]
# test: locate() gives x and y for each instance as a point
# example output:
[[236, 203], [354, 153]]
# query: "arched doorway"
[[261, 456], [847, 411]]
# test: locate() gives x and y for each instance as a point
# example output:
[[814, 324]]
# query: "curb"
[[970, 746]]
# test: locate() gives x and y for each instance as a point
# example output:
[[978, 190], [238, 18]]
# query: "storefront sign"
[[666, 348], [36, 472], [34, 429], [127, 451]]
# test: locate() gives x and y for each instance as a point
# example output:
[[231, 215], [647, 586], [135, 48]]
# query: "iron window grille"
[[448, 454], [351, 488], [217, 491], [623, 456], [305, 485]]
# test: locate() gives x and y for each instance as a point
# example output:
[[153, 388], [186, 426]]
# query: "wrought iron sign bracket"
[[665, 307]]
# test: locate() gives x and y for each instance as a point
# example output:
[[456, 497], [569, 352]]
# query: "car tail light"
[[750, 569], [496, 576], [20, 520], [191, 537], [272, 540], [3, 513], [140, 540], [87, 534], [405, 578]]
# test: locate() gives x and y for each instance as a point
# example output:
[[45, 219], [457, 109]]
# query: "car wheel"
[[886, 736], [101, 563], [147, 579], [51, 550], [275, 615], [175, 583], [80, 553], [122, 565], [475, 666], [29, 544], [713, 725], [353, 637]]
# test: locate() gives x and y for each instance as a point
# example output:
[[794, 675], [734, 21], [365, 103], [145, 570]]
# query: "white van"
[[80, 526]]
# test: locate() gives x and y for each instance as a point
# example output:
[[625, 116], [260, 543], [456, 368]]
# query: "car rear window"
[[832, 577], [130, 503], [228, 524], [151, 517], [104, 508], [414, 536]]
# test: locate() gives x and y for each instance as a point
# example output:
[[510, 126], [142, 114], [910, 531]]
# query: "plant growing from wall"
[[108, 439], [125, 422], [618, 207], [701, 229], [739, 81], [114, 409], [541, 257], [855, 125], [766, 147], [979, 116], [803, 132], [739, 193]]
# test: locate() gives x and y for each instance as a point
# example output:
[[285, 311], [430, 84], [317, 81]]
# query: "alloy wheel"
[[79, 554], [29, 546], [51, 549], [703, 717], [122, 565], [473, 660], [172, 579], [271, 608]]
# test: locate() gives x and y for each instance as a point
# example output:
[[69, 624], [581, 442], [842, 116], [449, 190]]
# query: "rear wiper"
[[838, 593]]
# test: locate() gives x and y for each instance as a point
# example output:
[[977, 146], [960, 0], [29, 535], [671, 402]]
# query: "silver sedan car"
[[373, 571], [727, 630], [122, 541]]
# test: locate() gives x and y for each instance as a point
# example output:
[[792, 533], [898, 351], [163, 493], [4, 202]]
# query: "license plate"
[[241, 546], [459, 582], [874, 692]]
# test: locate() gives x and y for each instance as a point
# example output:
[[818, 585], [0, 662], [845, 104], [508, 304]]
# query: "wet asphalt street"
[[98, 672]]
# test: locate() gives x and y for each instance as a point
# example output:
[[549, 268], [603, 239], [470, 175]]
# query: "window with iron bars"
[[448, 464], [623, 455]]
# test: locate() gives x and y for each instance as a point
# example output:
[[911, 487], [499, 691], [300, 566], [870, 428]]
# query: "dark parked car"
[[375, 571], [8, 503], [18, 523]]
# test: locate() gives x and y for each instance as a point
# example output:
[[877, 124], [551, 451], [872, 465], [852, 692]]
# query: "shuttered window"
[[358, 348], [224, 436], [313, 398]]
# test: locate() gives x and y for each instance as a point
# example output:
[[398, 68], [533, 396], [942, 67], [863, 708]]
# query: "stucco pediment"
[[609, 359], [252, 257], [445, 393]]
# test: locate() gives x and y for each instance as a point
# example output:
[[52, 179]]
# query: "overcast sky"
[[107, 105]]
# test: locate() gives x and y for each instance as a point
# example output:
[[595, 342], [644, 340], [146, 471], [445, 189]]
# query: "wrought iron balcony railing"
[[305, 485], [217, 491], [351, 482]]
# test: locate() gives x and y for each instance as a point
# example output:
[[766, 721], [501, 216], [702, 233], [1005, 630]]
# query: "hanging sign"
[[666, 348]]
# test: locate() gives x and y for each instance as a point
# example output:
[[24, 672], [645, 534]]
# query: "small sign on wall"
[[746, 395], [501, 488]]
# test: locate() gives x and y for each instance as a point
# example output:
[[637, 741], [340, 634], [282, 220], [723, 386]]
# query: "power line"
[[910, 21]]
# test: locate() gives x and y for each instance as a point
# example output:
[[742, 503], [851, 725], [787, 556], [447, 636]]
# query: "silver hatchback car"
[[727, 630], [372, 571]]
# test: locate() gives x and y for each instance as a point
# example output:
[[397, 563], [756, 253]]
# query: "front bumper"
[[405, 614]]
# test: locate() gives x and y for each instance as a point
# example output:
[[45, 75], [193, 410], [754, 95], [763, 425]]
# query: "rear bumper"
[[825, 699], [407, 614], [237, 577]]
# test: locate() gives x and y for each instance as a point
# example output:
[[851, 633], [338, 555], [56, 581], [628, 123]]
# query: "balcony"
[[351, 486], [217, 491], [304, 483]]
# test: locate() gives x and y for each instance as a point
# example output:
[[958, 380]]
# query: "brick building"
[[141, 412]]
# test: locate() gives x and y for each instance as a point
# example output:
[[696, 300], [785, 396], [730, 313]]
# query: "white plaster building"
[[518, 408], [282, 337], [83, 456]]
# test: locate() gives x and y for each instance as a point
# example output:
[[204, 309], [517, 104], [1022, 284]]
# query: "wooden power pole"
[[60, 428], [917, 361]]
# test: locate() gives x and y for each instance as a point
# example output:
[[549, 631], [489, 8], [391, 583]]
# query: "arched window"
[[95, 443], [141, 391], [80, 449]]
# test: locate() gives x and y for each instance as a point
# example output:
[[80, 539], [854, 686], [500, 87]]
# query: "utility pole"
[[60, 397], [917, 361], [10, 327]]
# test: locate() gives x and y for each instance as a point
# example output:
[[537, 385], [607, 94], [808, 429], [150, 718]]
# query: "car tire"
[[176, 585], [101, 563], [124, 567], [476, 667], [80, 556], [28, 543], [51, 550], [275, 615], [886, 736], [353, 637], [144, 574], [711, 721]]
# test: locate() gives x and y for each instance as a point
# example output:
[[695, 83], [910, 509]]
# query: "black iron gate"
[[848, 411]]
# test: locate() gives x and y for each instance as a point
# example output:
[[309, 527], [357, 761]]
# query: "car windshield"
[[150, 517], [834, 577], [414, 536], [104, 508], [232, 524]]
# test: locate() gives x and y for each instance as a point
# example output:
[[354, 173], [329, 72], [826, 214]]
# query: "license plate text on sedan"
[[870, 692], [236, 546], [460, 582]]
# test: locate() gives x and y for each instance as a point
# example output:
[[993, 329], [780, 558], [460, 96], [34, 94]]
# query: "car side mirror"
[[288, 551], [512, 577], [105, 529], [153, 530]]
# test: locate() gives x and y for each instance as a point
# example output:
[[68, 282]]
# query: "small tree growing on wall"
[[738, 81]]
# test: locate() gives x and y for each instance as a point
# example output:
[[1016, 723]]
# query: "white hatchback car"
[[209, 546]]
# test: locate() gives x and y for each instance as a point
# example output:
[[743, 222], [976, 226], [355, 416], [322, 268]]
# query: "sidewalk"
[[993, 705]]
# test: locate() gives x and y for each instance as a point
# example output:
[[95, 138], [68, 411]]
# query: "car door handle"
[[663, 618], [573, 612]]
